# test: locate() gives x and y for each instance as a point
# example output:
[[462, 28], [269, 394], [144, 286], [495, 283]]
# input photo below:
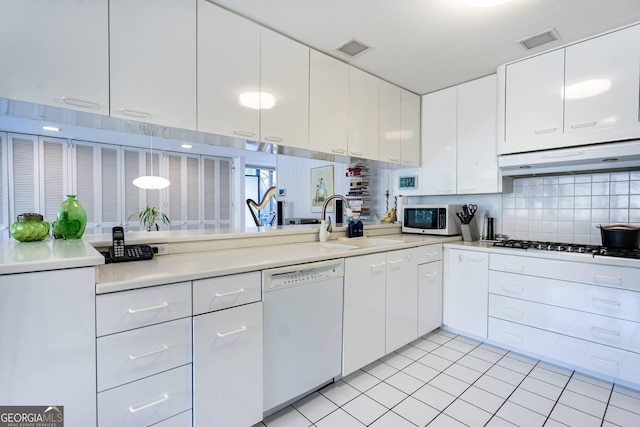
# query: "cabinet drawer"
[[429, 253], [122, 311], [138, 353], [590, 327], [582, 272], [147, 401], [597, 358], [218, 293], [618, 303]]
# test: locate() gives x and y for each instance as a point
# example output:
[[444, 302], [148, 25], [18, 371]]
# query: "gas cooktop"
[[569, 247]]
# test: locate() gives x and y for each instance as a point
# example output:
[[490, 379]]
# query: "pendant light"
[[151, 182]]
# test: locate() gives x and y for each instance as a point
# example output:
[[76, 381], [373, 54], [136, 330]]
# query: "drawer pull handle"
[[512, 313], [133, 409], [607, 280], [431, 276], [376, 268], [468, 190], [395, 263], [235, 331], [512, 289], [134, 113], [338, 150], [598, 330], [226, 294], [583, 125], [273, 139], [356, 153], [244, 133], [541, 131], [394, 159], [605, 361], [80, 103], [605, 301], [153, 307], [517, 268], [430, 254], [407, 162], [151, 353], [445, 191]]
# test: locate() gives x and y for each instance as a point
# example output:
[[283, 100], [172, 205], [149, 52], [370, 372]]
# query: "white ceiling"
[[426, 45]]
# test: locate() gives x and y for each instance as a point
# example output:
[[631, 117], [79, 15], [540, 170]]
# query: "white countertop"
[[49, 254], [199, 265]]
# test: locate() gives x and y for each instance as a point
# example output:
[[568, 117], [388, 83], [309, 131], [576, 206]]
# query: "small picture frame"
[[321, 187]]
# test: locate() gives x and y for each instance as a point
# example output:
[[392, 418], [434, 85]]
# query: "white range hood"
[[609, 156]]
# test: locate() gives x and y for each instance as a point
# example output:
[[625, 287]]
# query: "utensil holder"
[[470, 232]]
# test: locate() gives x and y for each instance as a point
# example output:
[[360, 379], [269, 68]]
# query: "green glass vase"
[[72, 219]]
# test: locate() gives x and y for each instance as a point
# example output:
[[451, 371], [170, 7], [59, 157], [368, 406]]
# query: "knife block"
[[470, 232]]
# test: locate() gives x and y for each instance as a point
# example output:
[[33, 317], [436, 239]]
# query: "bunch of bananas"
[[390, 216]]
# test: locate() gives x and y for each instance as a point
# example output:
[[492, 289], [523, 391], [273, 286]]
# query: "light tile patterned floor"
[[446, 380]]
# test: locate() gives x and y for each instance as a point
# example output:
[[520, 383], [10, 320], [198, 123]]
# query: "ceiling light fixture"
[[151, 182], [486, 3], [51, 128], [186, 146]]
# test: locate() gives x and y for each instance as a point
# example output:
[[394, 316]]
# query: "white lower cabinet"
[[466, 286], [364, 311], [388, 298], [401, 312], [227, 350], [147, 401], [539, 306]]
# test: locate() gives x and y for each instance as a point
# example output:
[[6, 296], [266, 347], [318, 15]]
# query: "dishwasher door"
[[302, 331]]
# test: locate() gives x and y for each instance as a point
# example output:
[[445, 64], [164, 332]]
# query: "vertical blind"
[[36, 174]]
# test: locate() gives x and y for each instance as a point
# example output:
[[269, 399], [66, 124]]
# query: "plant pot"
[[620, 236]]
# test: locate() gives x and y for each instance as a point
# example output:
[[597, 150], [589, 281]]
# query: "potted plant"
[[150, 216]]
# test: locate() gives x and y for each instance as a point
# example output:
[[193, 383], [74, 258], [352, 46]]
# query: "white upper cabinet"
[[363, 114], [602, 82], [390, 135], [153, 61], [534, 104], [584, 93], [410, 131], [477, 166], [439, 141], [285, 76], [56, 53], [328, 104], [228, 73]]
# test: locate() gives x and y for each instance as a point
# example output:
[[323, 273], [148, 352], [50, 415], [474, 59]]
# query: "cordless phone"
[[121, 252]]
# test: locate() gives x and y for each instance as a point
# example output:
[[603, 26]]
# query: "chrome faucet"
[[348, 211]]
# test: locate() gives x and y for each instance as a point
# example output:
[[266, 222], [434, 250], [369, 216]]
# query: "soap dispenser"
[[323, 233]]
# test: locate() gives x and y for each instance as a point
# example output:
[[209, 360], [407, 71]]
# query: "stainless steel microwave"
[[431, 219]]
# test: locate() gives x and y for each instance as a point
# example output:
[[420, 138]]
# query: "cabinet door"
[[285, 75], [466, 290], [601, 82], [390, 135], [363, 114], [401, 297], [228, 73], [534, 104], [56, 53], [227, 367], [48, 338], [328, 104], [410, 133], [364, 311], [477, 164], [439, 134], [153, 61], [429, 297]]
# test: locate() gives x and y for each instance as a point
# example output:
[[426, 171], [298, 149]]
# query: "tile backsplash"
[[568, 208]]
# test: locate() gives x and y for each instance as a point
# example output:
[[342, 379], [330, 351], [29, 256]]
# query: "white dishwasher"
[[302, 329]]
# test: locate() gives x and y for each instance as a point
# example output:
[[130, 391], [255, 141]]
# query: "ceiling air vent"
[[539, 39], [352, 47]]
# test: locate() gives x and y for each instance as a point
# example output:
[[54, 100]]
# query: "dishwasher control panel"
[[296, 275]]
